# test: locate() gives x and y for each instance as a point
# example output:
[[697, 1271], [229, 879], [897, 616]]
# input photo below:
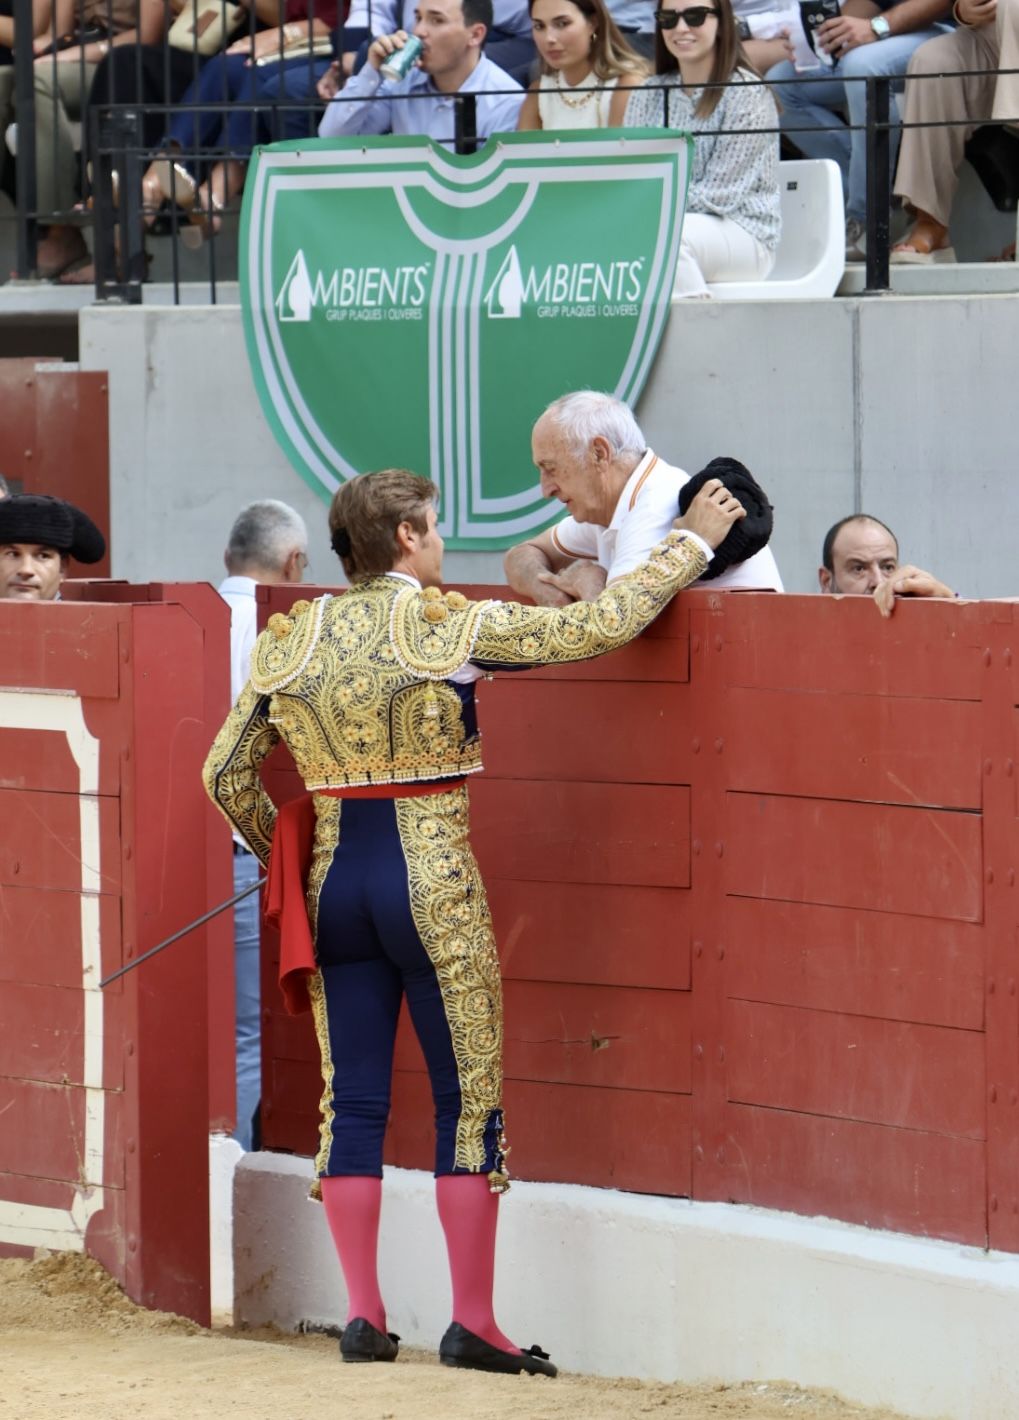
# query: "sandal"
[[924, 243], [174, 183]]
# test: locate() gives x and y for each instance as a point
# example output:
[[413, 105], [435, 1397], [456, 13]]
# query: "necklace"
[[571, 100]]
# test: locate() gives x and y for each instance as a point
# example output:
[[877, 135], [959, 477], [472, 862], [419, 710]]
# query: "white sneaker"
[[856, 240]]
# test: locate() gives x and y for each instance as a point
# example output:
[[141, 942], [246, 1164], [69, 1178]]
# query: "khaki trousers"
[[61, 94], [930, 158]]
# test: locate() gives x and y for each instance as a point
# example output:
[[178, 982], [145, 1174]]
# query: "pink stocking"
[[352, 1207], [469, 1212]]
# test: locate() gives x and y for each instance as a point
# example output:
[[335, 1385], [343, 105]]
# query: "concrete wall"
[[901, 405], [663, 1289]]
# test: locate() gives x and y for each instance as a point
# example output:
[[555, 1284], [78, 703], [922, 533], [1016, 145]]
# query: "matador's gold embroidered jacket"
[[358, 686]]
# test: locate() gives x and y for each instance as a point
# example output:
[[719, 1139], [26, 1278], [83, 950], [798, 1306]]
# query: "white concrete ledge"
[[621, 1284]]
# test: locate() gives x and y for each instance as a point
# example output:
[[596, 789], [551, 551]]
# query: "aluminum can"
[[399, 65]]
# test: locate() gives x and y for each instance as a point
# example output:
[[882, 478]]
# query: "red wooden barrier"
[[210, 612], [753, 881], [103, 1094]]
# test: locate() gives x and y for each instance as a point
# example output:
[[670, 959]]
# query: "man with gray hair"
[[268, 543], [621, 497]]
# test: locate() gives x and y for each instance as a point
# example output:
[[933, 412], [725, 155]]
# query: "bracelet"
[[290, 36]]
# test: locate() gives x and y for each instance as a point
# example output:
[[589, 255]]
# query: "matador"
[[372, 878]]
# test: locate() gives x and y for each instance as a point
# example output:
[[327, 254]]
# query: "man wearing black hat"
[[38, 535], [622, 499]]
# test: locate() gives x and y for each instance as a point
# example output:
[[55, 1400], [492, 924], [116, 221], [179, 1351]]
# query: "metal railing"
[[114, 138]]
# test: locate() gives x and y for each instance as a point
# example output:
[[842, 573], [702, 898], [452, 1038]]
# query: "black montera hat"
[[751, 533], [50, 522]]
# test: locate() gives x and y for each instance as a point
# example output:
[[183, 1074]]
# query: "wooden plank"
[[40, 936], [891, 750], [903, 1179], [854, 1067], [46, 851], [638, 834], [889, 859], [37, 759], [42, 1035], [601, 934], [62, 645], [623, 732], [598, 1035], [561, 1133], [867, 963], [841, 645], [588, 1035], [43, 1129]]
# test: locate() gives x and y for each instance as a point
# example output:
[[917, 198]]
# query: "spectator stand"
[[120, 155]]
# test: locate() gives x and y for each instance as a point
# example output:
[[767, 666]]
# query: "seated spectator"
[[866, 40], [38, 536], [580, 47], [268, 544], [621, 497], [860, 557], [64, 68], [732, 222], [928, 174], [452, 33], [241, 74], [508, 43]]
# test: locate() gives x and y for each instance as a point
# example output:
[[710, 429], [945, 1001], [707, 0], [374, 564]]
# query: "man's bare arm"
[[528, 565]]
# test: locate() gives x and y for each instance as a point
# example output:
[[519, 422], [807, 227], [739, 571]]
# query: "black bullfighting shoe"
[[360, 1341], [460, 1347]]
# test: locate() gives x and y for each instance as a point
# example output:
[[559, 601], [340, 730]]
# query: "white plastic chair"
[[811, 256]]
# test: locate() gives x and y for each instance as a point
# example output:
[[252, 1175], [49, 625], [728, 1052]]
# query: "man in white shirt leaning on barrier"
[[621, 499], [452, 61]]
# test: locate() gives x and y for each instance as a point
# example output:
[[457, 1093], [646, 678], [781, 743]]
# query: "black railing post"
[[466, 123], [24, 98], [118, 238], [879, 183]]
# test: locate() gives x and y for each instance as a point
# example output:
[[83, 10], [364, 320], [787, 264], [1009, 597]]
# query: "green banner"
[[404, 306]]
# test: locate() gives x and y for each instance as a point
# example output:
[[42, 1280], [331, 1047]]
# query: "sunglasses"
[[692, 18]]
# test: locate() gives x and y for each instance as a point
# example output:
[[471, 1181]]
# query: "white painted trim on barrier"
[[61, 712], [659, 1288]]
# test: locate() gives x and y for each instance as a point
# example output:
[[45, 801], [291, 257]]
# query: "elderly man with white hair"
[[268, 543], [621, 499]]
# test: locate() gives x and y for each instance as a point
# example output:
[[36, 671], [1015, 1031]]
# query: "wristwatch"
[[881, 27]]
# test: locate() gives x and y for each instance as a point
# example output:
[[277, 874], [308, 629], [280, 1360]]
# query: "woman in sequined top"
[[703, 84], [587, 68]]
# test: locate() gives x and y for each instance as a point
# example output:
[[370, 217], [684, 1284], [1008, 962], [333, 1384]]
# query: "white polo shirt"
[[646, 510]]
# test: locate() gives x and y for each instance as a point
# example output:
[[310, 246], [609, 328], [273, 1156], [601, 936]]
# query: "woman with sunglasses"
[[703, 83], [587, 68]]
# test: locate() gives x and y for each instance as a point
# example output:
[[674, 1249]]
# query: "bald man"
[[860, 557]]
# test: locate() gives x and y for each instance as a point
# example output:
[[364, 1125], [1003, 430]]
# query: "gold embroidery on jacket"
[[450, 911], [231, 774], [327, 835]]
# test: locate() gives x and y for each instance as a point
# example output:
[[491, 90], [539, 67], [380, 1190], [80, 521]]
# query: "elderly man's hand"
[[579, 582], [908, 582], [712, 513]]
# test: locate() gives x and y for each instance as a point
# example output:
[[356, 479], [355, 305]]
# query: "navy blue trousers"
[[398, 910]]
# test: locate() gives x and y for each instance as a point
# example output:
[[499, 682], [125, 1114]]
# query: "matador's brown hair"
[[366, 512]]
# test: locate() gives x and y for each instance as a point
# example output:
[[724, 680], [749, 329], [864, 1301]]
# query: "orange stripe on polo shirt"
[[568, 551], [643, 479]]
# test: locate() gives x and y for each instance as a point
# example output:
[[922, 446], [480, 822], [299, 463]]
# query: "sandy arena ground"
[[72, 1347]]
